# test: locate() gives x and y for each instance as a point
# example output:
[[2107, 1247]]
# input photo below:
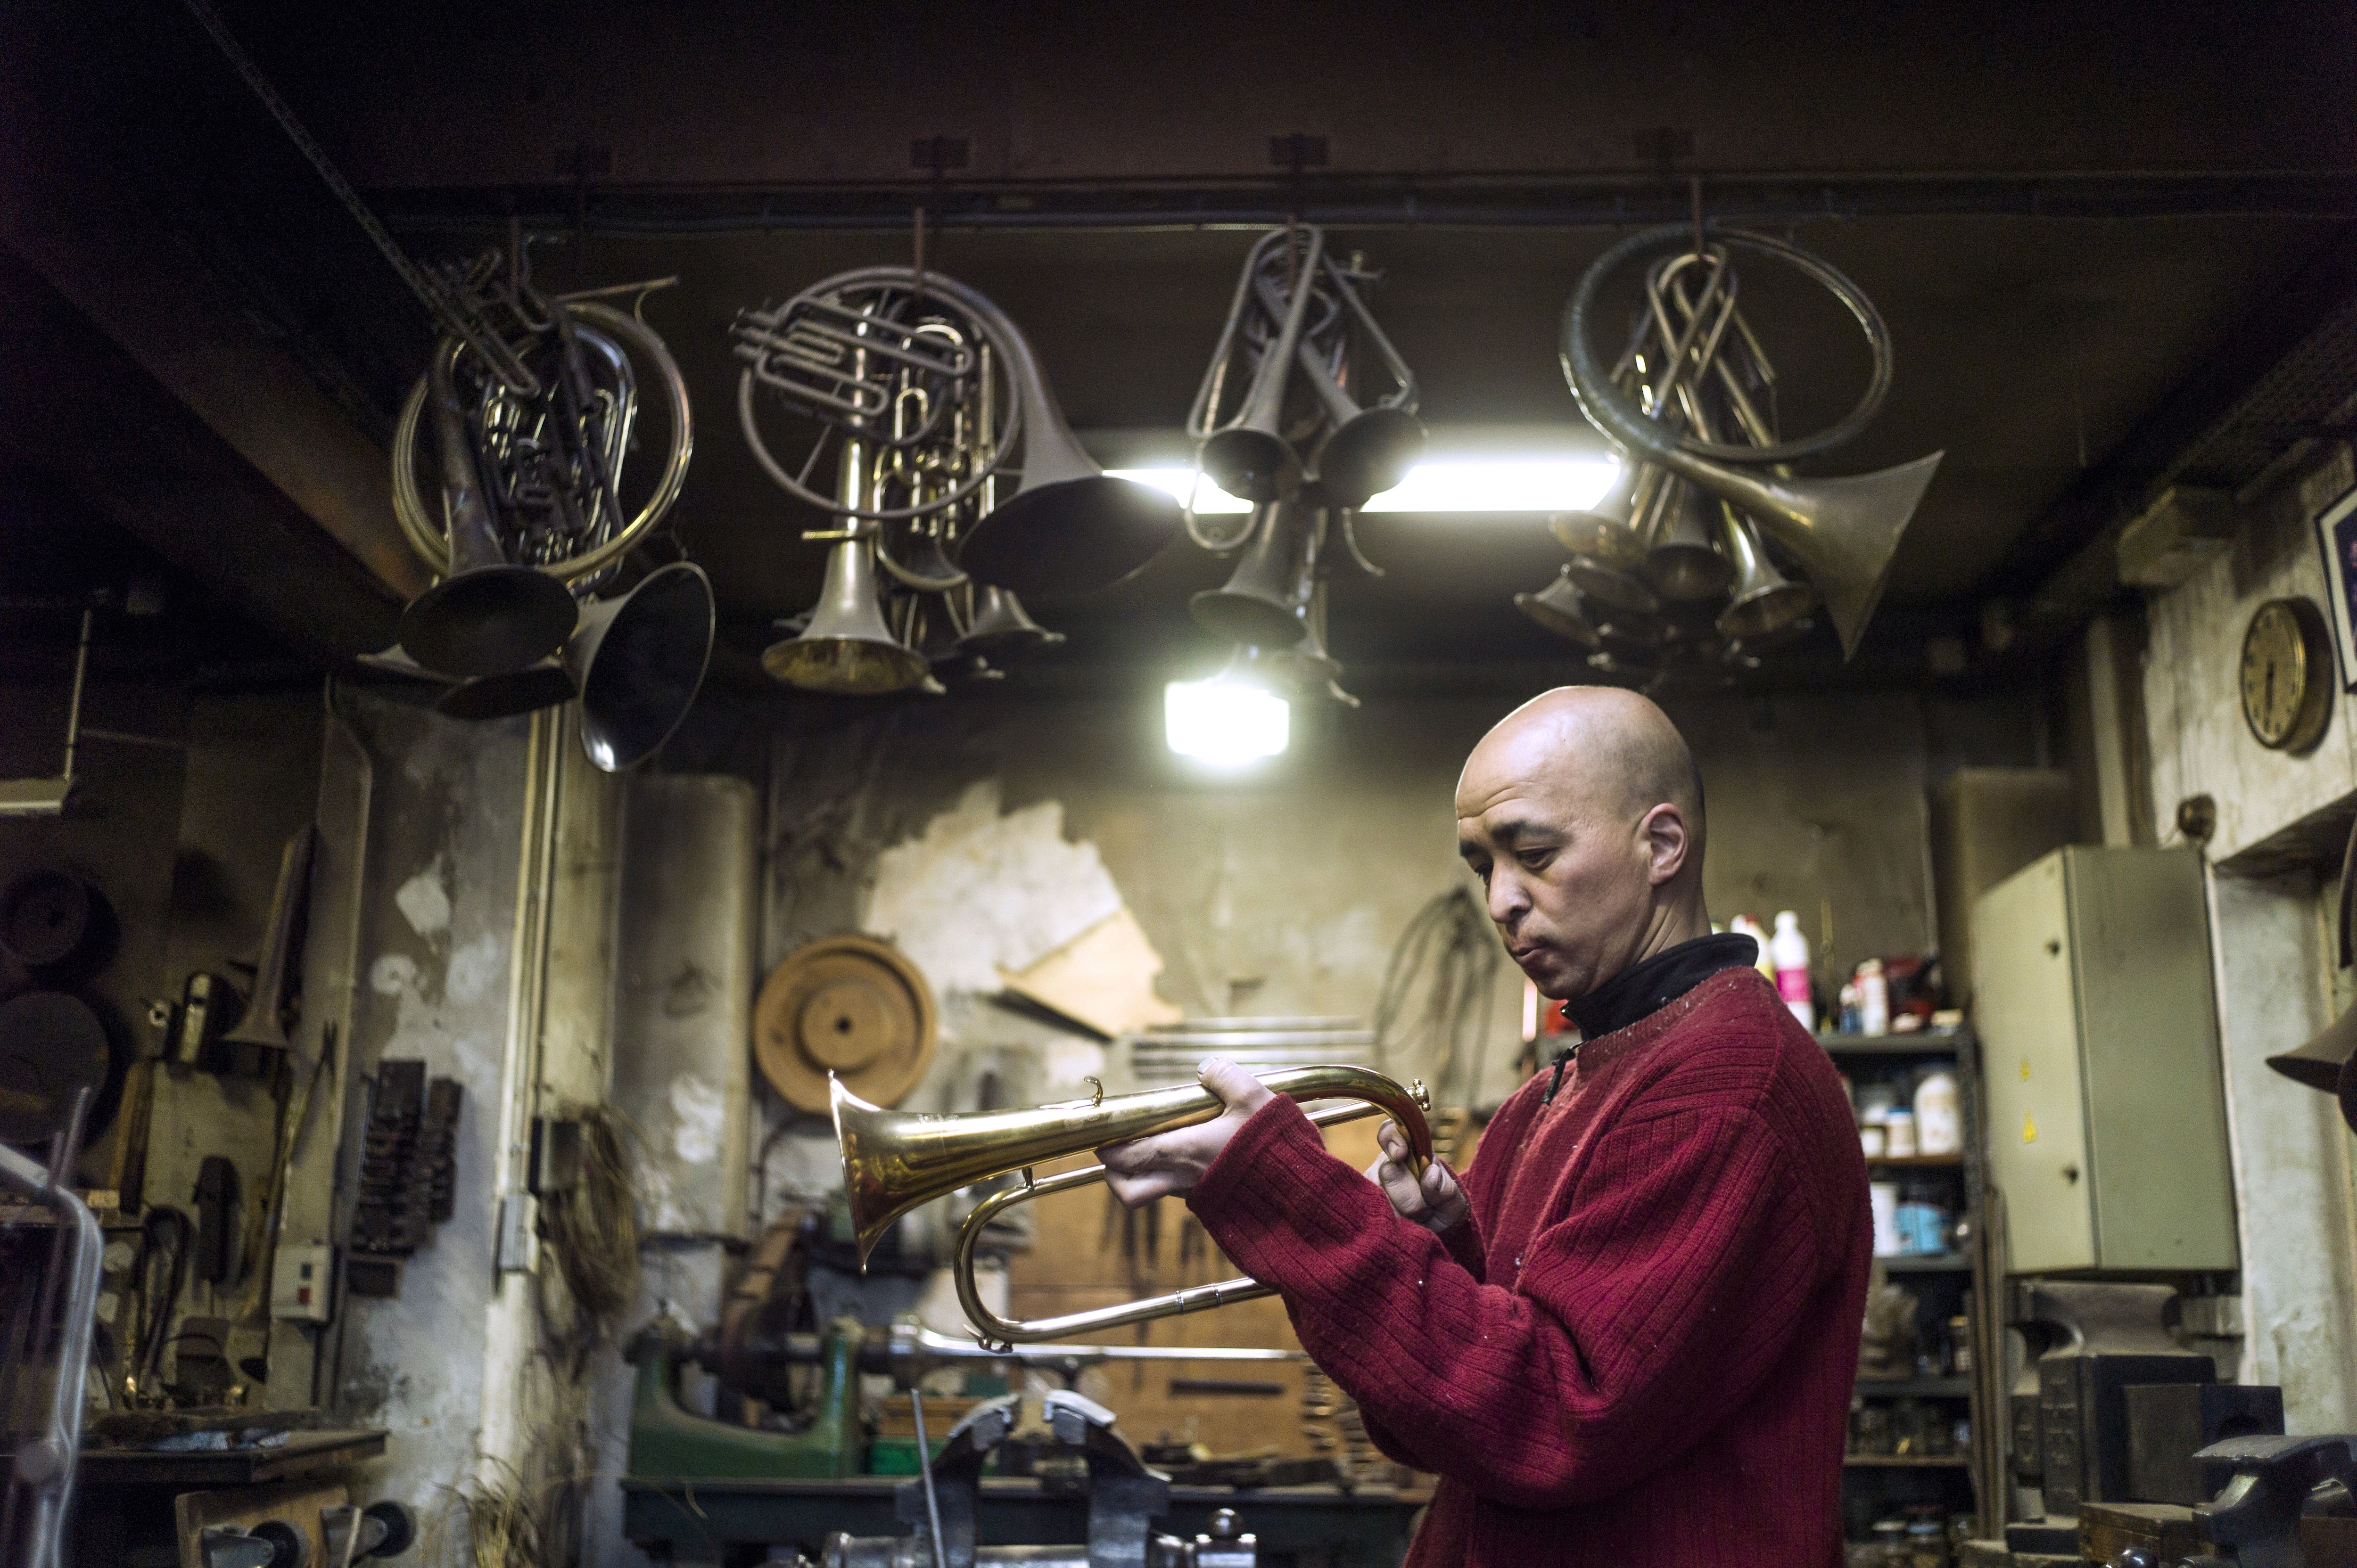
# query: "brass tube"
[[892, 1162]]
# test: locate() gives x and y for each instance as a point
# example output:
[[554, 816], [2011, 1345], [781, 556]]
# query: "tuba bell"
[[488, 614]]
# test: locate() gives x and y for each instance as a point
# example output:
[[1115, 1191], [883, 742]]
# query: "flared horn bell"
[[1844, 533], [847, 649], [1001, 626], [1682, 558], [1071, 526], [1558, 608], [1765, 600], [1263, 602], [638, 662], [488, 616], [543, 684], [1611, 516]]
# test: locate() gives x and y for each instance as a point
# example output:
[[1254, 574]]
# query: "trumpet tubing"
[[895, 1161]]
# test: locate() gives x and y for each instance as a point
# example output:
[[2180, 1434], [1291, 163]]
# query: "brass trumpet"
[[894, 1161]]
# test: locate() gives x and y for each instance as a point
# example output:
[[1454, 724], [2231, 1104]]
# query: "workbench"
[[734, 1521]]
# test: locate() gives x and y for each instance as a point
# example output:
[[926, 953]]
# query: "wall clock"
[[2288, 675]]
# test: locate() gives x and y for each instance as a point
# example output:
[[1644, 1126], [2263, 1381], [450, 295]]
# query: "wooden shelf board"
[[1906, 1461], [1928, 1263], [1916, 1388]]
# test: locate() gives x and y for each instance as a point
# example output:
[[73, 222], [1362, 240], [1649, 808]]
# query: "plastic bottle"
[[1791, 951], [1939, 1114], [1744, 924], [1873, 998]]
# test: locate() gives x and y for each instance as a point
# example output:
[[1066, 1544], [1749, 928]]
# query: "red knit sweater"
[[1639, 1350]]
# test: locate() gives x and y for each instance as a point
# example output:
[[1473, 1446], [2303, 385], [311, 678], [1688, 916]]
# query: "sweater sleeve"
[[1645, 1312]]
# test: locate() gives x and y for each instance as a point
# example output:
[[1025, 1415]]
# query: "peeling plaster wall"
[[437, 932], [2292, 1153]]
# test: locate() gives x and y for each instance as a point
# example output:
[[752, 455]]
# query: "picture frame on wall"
[[2336, 535]]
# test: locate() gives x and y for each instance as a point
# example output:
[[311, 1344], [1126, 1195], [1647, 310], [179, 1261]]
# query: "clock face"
[[2287, 675]]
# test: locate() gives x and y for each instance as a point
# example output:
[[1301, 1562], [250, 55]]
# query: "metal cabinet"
[[2099, 1033]]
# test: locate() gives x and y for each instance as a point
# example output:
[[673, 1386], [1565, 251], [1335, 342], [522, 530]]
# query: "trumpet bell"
[[1251, 464], [1001, 626], [1263, 602], [1368, 454], [1558, 608], [1765, 599], [894, 1161], [847, 649], [638, 662], [1604, 531], [537, 686], [1684, 562]]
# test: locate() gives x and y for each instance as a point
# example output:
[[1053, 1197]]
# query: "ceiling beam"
[[1371, 200], [2284, 373], [75, 218]]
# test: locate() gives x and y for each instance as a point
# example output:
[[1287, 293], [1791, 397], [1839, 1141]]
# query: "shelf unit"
[[1949, 1284]]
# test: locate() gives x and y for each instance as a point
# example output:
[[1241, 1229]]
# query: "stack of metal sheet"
[[1169, 1053]]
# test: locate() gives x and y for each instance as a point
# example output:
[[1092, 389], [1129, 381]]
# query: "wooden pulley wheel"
[[853, 1006]]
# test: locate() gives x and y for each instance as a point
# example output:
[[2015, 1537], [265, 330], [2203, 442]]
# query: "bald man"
[[1629, 1336]]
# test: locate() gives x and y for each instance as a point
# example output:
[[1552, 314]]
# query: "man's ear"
[[1665, 831]]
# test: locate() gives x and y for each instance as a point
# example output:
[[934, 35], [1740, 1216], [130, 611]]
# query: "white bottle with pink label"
[[1791, 951]]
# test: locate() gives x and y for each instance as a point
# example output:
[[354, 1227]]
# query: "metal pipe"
[[45, 1466], [925, 1468], [1569, 200]]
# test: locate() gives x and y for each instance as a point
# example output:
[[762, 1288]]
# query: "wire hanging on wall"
[[1435, 1004]]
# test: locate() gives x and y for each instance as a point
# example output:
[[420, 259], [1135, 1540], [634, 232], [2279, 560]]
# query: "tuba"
[[533, 513], [894, 1161], [1693, 362]]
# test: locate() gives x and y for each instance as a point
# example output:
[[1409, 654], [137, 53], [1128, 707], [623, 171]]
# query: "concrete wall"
[[2280, 823]]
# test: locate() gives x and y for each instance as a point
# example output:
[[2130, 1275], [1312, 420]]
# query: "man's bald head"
[[1617, 743], [1581, 812]]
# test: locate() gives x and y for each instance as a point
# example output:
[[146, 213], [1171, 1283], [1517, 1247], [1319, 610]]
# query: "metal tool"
[[259, 1042], [893, 1162], [41, 1488], [1124, 1498], [1693, 354]]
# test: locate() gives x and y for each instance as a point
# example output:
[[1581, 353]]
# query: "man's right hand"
[[1434, 1203]]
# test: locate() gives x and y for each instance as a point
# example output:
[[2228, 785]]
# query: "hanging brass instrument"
[[894, 1161], [1296, 316], [530, 514], [1843, 531]]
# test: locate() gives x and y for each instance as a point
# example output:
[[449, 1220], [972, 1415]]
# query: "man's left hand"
[[1170, 1164]]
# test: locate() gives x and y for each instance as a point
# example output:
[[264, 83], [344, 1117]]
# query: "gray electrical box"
[[2099, 1042]]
